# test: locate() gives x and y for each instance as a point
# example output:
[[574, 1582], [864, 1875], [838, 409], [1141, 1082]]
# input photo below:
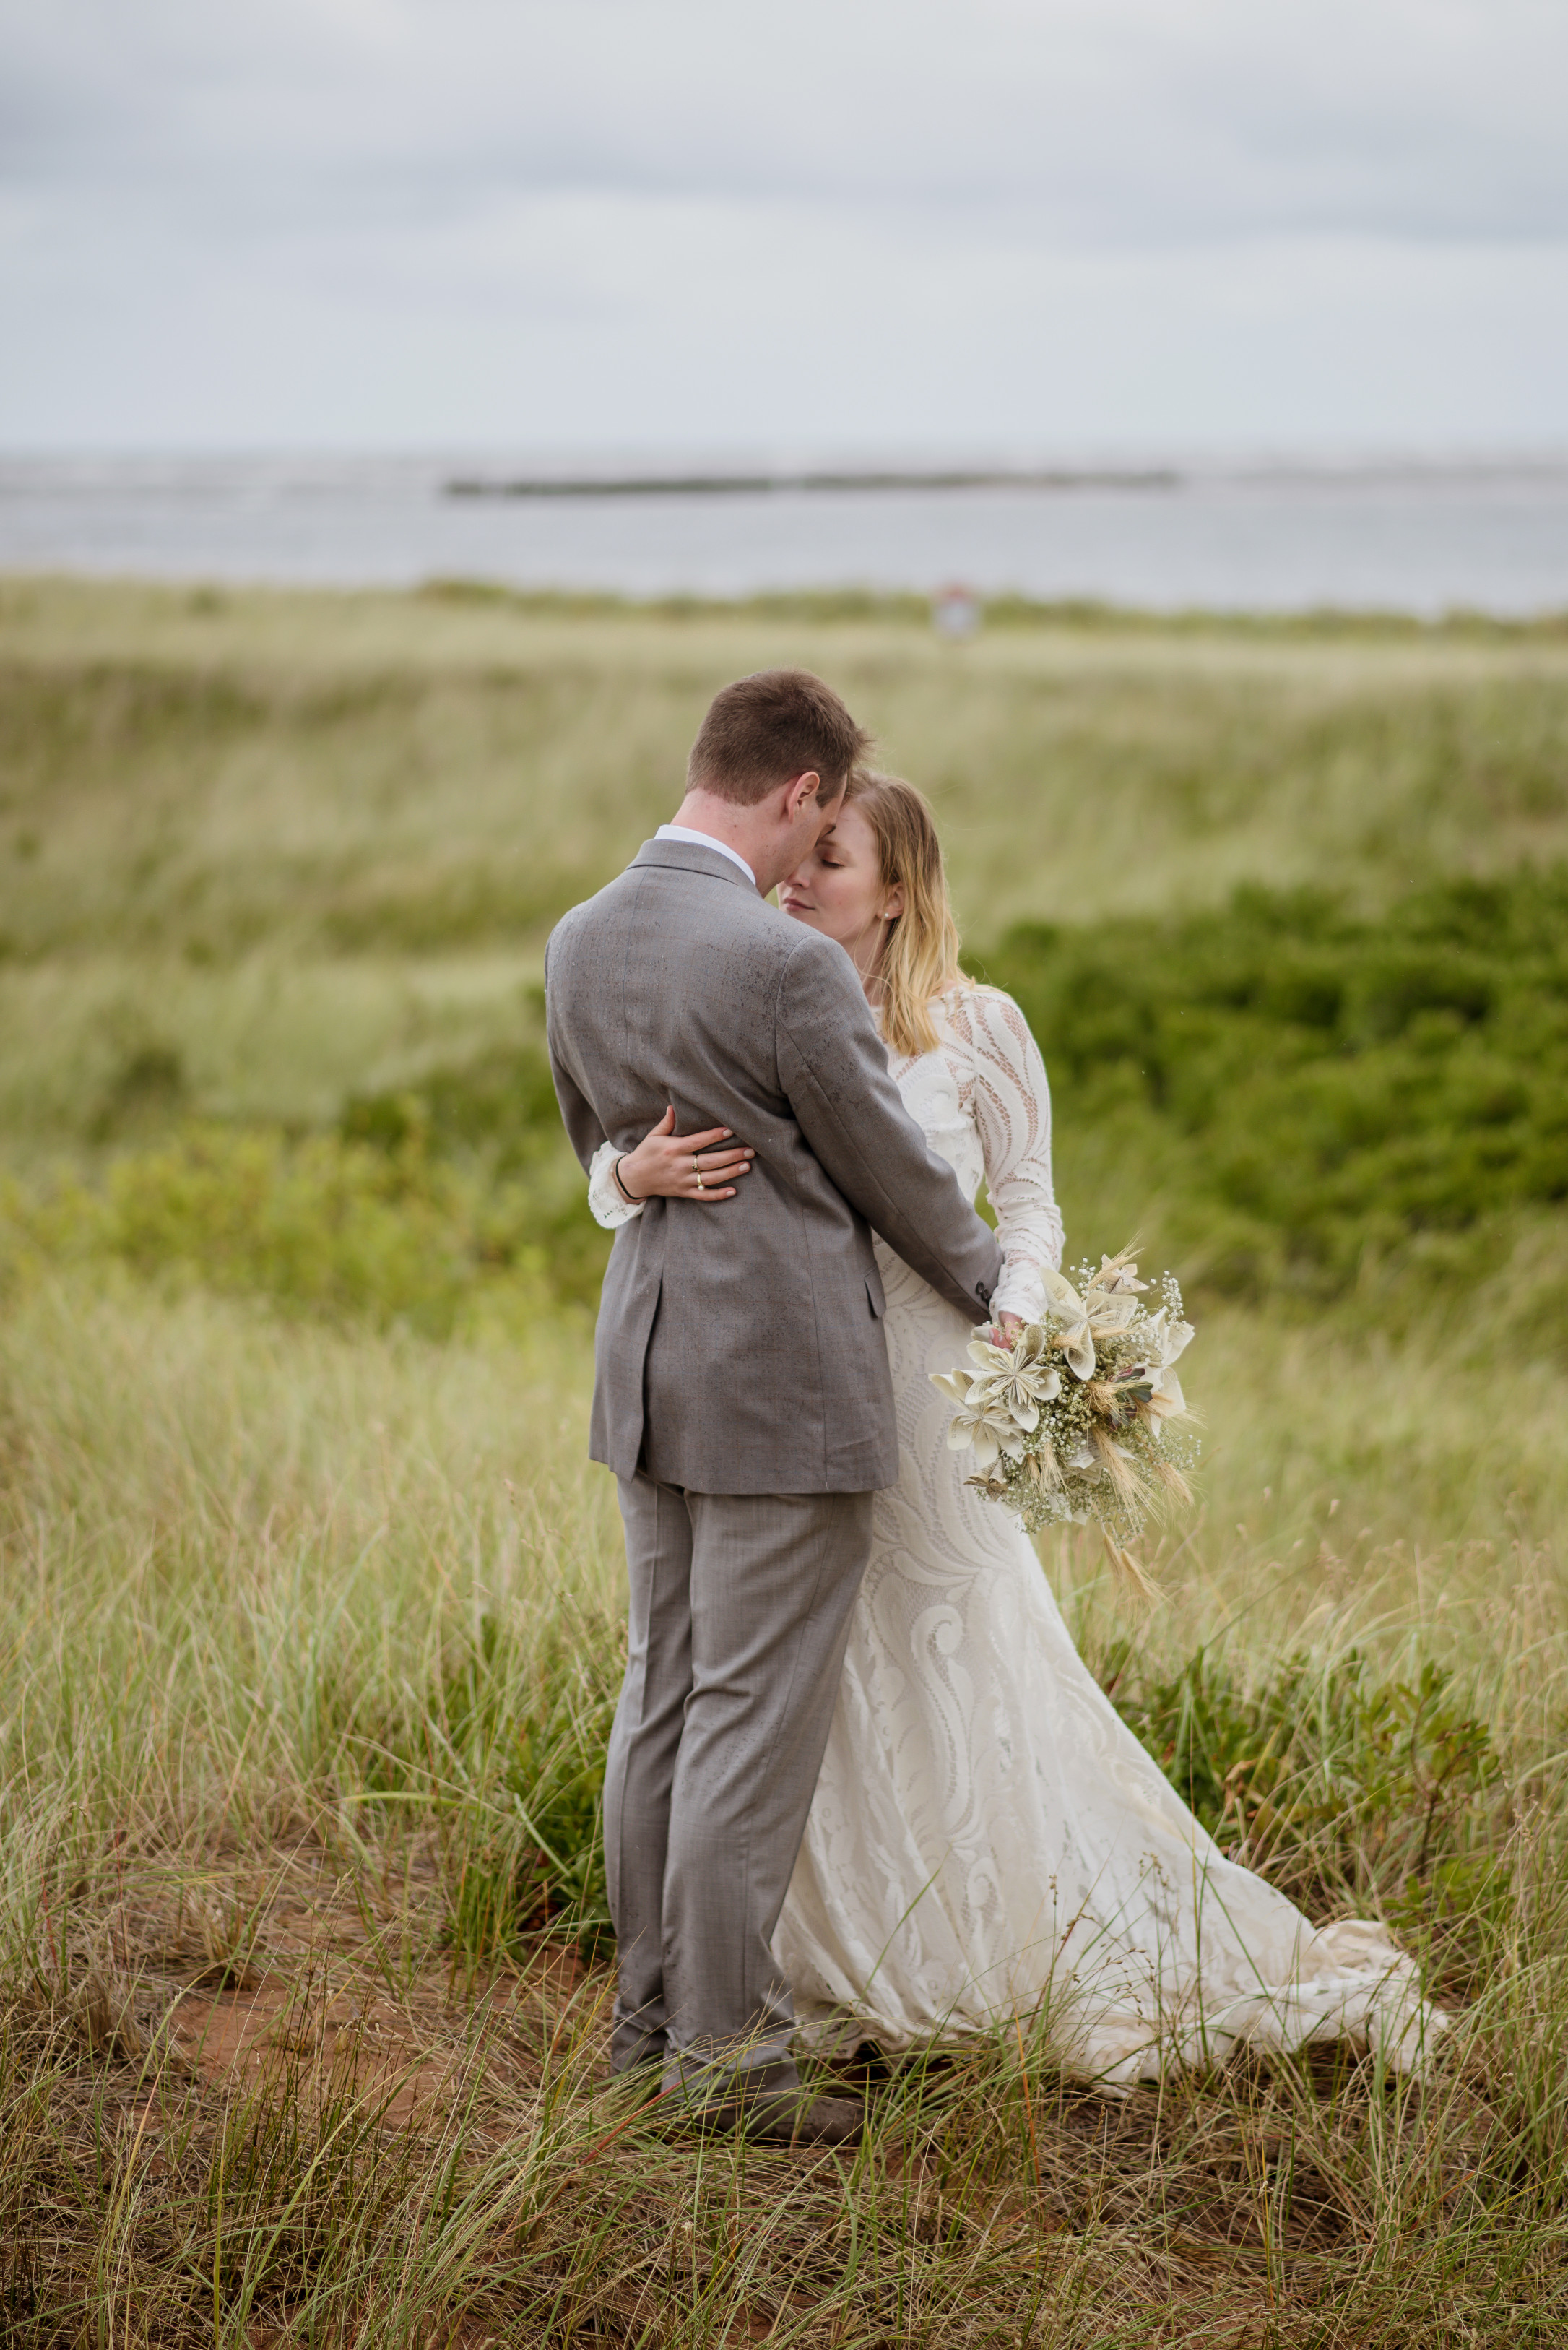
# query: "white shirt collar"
[[706, 840]]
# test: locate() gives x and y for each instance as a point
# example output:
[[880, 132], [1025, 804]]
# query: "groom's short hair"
[[762, 730]]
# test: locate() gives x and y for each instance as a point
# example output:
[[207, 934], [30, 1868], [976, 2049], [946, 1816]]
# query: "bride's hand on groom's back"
[[670, 1166]]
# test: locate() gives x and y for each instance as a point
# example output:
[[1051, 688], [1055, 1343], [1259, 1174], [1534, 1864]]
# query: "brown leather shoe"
[[792, 2119]]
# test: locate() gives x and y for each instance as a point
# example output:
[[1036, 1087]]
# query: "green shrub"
[[496, 1119], [1321, 1086], [323, 1224], [499, 1108]]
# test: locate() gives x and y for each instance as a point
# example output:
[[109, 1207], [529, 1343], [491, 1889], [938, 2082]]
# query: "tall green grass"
[[301, 1619]]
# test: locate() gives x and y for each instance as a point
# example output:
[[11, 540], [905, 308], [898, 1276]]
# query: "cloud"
[[1121, 119], [668, 191]]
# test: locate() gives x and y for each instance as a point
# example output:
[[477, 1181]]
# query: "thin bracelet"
[[631, 1199]]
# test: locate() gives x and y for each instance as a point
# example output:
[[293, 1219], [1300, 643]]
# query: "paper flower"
[[1020, 1376], [982, 1421], [1071, 1316], [1117, 1276], [1166, 1401], [1164, 1339]]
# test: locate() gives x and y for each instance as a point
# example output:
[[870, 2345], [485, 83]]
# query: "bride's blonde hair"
[[921, 956]]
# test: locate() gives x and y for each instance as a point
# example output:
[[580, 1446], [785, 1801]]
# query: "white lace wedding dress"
[[988, 1839]]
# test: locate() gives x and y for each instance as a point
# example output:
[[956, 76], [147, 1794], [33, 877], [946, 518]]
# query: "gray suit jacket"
[[740, 1348]]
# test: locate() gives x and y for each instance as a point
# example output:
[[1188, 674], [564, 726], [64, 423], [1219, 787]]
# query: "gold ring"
[[700, 1185]]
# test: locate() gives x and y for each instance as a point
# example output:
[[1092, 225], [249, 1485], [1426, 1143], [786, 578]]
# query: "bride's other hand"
[[1006, 1329], [667, 1165]]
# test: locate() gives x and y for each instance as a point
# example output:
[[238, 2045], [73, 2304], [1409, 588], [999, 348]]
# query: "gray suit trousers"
[[740, 1615]]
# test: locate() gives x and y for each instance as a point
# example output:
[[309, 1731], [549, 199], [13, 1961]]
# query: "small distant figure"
[[955, 611]]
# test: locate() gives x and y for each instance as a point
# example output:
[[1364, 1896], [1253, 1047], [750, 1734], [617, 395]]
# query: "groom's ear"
[[802, 791]]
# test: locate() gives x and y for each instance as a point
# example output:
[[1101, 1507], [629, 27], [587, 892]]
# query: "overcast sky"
[[1032, 223]]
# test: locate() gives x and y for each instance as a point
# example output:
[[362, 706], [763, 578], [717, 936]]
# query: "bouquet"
[[1082, 1417]]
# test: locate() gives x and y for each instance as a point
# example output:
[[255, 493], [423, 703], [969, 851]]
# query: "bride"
[[988, 1839]]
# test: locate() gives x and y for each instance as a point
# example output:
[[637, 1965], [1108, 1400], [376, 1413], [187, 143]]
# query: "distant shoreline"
[[710, 485], [1157, 530]]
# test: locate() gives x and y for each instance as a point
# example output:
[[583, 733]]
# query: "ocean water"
[[1420, 538]]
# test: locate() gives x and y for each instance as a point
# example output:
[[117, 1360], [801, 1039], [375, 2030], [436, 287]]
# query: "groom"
[[742, 1392]]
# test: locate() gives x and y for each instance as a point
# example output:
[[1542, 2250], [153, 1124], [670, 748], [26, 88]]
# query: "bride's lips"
[[791, 902]]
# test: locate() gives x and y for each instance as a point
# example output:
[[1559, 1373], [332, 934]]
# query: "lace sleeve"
[[610, 1209], [1011, 1106]]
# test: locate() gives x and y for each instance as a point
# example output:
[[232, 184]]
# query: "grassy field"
[[309, 1604]]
